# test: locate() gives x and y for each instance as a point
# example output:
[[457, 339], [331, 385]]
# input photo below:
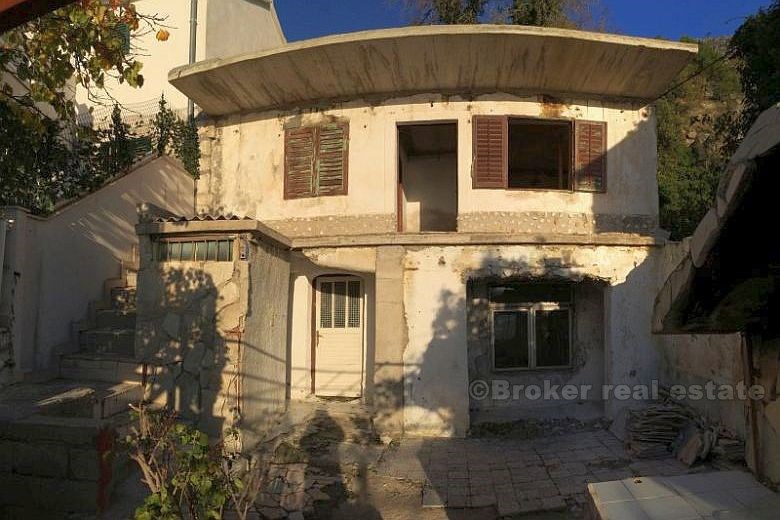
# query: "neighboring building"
[[459, 204], [224, 28], [726, 282]]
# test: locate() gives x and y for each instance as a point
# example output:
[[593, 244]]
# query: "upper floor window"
[[522, 153], [315, 160]]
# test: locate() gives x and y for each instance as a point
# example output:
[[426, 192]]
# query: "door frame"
[[314, 336], [400, 194]]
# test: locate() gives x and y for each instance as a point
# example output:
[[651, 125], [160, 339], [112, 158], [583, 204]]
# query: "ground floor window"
[[531, 326]]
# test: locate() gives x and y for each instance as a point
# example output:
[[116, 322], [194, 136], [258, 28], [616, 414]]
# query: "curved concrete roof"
[[462, 59]]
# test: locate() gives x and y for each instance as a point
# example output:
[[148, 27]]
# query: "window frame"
[[195, 240], [530, 308], [575, 126], [571, 159]]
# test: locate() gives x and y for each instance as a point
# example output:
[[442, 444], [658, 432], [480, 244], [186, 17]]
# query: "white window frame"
[[530, 309]]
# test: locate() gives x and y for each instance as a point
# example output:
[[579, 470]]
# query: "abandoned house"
[[424, 222], [400, 218]]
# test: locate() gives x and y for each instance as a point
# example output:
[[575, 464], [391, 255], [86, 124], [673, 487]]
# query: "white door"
[[339, 339]]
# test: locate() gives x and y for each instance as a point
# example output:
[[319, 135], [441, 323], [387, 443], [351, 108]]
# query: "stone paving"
[[515, 475]]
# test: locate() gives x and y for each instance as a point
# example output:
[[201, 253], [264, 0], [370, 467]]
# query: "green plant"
[[172, 135], [188, 476]]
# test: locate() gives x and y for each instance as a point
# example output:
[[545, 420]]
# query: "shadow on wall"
[[189, 357], [616, 283]]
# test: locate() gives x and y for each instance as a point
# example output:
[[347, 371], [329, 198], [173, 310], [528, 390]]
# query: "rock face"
[[199, 320]]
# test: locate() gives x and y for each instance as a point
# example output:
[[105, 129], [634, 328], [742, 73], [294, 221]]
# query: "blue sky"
[[672, 19]]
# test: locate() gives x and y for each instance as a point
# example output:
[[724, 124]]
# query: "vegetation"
[[45, 156], [582, 14], [696, 136], [188, 477], [756, 45]]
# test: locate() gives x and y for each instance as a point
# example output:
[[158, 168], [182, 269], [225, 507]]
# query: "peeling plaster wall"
[[696, 359], [264, 356], [767, 364], [435, 302], [700, 358], [243, 168], [219, 330], [587, 361]]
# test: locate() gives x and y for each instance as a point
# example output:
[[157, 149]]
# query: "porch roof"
[[457, 60]]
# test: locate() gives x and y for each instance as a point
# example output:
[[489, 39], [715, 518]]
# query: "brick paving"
[[515, 475]]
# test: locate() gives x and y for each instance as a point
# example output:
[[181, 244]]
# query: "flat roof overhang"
[[446, 59]]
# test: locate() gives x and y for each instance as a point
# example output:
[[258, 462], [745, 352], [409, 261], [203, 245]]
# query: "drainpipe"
[[193, 49]]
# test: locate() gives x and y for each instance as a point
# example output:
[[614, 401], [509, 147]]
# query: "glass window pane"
[[200, 251], [510, 339], [162, 251], [187, 251], [175, 251], [339, 304], [212, 251], [531, 293], [552, 338], [354, 304], [326, 305], [224, 250]]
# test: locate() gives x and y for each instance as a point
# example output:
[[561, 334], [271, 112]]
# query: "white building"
[[223, 28]]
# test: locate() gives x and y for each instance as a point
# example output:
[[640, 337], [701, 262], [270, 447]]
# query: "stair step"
[[114, 319], [108, 368], [70, 399], [123, 298], [113, 341]]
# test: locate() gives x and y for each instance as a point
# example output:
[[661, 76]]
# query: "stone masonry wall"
[[190, 317]]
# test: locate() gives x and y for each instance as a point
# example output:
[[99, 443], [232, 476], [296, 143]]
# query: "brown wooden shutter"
[[590, 156], [490, 152], [332, 155], [299, 159]]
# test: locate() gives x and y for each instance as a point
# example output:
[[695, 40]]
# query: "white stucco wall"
[[225, 27], [435, 358], [61, 262], [244, 173]]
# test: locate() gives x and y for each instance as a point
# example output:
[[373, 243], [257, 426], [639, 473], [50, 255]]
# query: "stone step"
[[108, 368], [113, 341], [123, 298], [114, 319], [68, 398]]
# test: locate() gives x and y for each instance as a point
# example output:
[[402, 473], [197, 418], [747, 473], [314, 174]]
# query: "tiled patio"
[[516, 475]]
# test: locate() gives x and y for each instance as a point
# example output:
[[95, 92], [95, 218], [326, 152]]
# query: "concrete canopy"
[[466, 59]]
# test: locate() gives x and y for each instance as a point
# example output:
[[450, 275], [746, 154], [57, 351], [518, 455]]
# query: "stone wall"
[[209, 324]]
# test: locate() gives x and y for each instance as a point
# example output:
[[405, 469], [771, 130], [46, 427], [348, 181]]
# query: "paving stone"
[[482, 500], [431, 497], [507, 505], [553, 503], [529, 506]]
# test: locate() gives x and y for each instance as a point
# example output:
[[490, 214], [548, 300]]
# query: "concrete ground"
[[515, 476], [345, 476]]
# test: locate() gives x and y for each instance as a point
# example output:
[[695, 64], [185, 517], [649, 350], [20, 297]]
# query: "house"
[[214, 29], [725, 281], [423, 219]]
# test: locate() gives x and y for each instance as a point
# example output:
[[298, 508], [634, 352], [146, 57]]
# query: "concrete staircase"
[[58, 451]]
